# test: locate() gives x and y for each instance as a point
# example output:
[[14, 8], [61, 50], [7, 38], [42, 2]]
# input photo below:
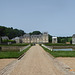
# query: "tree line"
[[64, 39], [10, 32]]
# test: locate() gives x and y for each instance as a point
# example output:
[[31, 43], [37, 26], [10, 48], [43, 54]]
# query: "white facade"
[[26, 38], [17, 39], [54, 40]]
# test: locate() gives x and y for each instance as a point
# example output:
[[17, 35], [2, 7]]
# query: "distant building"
[[73, 39], [17, 39], [54, 40], [27, 38], [41, 38], [5, 38]]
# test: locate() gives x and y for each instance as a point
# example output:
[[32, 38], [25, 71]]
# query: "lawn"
[[12, 54], [60, 53]]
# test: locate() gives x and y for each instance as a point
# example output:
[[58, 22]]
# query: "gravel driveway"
[[36, 62]]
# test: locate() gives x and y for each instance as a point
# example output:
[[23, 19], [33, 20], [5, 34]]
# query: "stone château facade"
[[27, 38]]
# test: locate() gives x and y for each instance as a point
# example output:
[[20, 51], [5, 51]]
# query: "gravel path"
[[36, 62], [70, 61], [5, 62]]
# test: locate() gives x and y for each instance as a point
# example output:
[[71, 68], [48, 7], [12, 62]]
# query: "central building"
[[41, 38]]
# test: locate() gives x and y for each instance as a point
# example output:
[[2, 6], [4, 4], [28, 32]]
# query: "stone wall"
[[60, 47], [11, 48]]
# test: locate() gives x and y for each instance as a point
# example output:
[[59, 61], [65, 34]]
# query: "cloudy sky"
[[57, 17]]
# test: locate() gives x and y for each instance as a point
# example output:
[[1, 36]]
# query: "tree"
[[10, 32], [2, 29], [35, 33], [50, 38], [64, 39]]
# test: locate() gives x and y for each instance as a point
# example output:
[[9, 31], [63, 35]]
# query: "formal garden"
[[13, 53], [59, 53]]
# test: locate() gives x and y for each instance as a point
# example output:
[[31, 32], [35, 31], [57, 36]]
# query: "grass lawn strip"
[[13, 54], [60, 53]]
